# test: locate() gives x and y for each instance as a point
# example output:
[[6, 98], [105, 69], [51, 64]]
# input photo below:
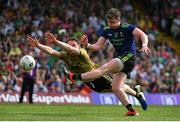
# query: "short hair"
[[72, 39], [113, 13]]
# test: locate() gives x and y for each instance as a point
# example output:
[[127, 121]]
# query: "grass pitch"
[[43, 112]]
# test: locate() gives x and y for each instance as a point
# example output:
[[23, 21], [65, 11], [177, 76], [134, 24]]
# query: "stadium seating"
[[19, 19]]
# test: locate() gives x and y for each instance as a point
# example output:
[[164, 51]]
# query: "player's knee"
[[120, 63]]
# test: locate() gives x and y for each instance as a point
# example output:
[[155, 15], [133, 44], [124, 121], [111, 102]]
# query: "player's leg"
[[104, 84], [129, 62], [115, 65], [23, 89], [68, 75], [129, 90], [136, 92], [140, 97], [31, 88], [118, 89]]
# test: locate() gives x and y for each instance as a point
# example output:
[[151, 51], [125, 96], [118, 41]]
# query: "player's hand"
[[84, 41], [33, 42], [145, 49], [50, 37]]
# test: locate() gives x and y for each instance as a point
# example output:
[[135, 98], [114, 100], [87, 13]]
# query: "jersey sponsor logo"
[[116, 35], [48, 98], [121, 34]]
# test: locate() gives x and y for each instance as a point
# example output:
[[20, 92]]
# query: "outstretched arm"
[[52, 39], [144, 38], [35, 43], [96, 46]]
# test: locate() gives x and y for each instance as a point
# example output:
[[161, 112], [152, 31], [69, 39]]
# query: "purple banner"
[[93, 98], [163, 99], [152, 99], [110, 99], [48, 98]]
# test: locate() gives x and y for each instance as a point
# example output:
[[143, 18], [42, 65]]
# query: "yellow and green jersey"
[[81, 64], [78, 64]]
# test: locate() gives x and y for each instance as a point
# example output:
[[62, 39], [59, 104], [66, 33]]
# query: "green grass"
[[30, 112]]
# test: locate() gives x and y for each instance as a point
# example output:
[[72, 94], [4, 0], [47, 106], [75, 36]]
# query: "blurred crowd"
[[157, 73]]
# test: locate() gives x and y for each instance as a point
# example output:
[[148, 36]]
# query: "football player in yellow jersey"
[[76, 58], [78, 61]]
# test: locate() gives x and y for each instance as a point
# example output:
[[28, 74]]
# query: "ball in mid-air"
[[27, 63]]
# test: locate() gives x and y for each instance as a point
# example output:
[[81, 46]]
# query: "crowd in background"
[[157, 73]]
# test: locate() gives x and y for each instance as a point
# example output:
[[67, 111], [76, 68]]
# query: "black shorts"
[[101, 84], [129, 63]]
